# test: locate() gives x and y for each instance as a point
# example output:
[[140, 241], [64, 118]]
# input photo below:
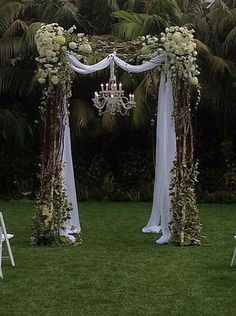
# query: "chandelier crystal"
[[111, 97]]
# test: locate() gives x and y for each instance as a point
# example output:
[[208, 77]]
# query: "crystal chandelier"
[[111, 97]]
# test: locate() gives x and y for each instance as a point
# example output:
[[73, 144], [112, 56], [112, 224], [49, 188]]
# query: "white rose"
[[80, 34], [177, 37], [43, 73], [72, 45], [48, 53], [42, 52], [193, 81], [60, 40], [190, 48], [56, 47], [54, 60], [63, 48], [85, 49], [42, 60], [55, 80], [49, 28], [41, 80]]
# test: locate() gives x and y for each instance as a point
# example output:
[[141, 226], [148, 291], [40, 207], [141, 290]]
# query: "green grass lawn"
[[118, 270]]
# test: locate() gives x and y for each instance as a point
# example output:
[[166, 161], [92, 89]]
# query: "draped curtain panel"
[[165, 144]]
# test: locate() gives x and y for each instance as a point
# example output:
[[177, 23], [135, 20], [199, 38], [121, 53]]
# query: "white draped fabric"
[[165, 144], [72, 225], [165, 155], [83, 69]]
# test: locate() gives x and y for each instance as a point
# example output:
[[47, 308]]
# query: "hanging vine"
[[180, 65], [52, 207]]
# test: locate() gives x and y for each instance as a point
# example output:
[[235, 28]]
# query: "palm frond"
[[28, 42], [108, 122], [9, 47], [81, 115], [15, 27], [220, 66], [154, 24], [202, 47], [13, 127], [130, 25], [15, 80], [113, 5], [230, 41], [142, 112]]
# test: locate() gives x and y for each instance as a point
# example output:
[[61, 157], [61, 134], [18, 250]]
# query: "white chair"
[[233, 261], [4, 236]]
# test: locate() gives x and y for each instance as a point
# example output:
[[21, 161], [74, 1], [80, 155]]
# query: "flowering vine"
[[54, 74], [178, 44]]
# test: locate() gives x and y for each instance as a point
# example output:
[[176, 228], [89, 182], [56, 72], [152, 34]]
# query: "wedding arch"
[[172, 57]]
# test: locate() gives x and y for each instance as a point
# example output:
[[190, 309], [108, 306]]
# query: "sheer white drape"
[[165, 155], [83, 69], [72, 225], [165, 144]]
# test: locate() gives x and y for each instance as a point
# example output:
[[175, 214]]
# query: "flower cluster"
[[180, 48], [52, 42]]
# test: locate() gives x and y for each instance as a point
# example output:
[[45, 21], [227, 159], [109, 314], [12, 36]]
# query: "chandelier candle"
[[112, 99]]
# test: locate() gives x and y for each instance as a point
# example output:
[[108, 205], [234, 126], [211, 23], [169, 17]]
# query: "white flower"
[[145, 50], [85, 49], [177, 37], [41, 80], [60, 40], [71, 29], [54, 59], [72, 45], [42, 52], [48, 66], [48, 53], [42, 60], [56, 47], [190, 48], [193, 81], [55, 80], [49, 28], [63, 48], [80, 34]]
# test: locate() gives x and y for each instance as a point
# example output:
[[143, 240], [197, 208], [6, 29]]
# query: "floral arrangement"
[[178, 44], [180, 48], [52, 207], [52, 42]]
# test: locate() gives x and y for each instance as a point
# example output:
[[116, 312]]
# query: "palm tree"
[[99, 14]]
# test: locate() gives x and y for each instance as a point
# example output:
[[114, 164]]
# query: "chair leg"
[[233, 261], [7, 241], [1, 275]]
